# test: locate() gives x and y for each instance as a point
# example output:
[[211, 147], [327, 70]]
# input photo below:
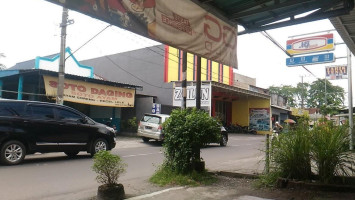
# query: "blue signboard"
[[310, 60], [156, 108]]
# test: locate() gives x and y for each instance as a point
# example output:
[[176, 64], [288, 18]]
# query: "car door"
[[43, 126], [74, 129]]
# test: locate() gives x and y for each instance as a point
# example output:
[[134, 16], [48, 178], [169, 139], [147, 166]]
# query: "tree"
[[325, 96], [2, 66], [301, 93], [286, 91], [319, 94]]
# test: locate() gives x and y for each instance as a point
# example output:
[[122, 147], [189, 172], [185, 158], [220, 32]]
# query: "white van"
[[150, 127]]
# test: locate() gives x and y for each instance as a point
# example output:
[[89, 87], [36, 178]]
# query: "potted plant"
[[108, 168]]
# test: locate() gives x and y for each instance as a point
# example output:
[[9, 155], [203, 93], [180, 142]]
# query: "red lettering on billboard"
[[207, 27], [53, 84]]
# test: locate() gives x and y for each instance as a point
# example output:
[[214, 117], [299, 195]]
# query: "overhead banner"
[[336, 72], [91, 93], [310, 44], [182, 24]]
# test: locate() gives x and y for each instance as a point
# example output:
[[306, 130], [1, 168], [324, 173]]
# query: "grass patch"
[[165, 176], [267, 180]]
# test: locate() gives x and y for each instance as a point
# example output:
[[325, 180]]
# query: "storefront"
[[232, 105], [101, 100]]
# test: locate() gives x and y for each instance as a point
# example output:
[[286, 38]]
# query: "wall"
[[142, 67], [243, 81], [240, 110], [143, 105], [262, 103], [103, 114]]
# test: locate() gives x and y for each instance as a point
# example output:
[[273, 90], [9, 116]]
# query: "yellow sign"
[[91, 93], [299, 112]]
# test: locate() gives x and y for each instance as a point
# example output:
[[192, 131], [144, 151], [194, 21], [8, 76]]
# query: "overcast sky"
[[30, 28]]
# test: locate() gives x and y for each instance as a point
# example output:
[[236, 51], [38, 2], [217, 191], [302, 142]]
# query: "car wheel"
[[99, 145], [224, 141], [71, 153], [145, 139], [12, 152]]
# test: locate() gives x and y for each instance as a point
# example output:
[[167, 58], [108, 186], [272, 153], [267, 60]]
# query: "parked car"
[[150, 127], [27, 127]]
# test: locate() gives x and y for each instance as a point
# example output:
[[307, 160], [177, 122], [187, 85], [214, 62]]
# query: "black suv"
[[28, 127]]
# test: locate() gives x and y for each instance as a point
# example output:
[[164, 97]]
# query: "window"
[[11, 109], [67, 115], [151, 119], [41, 112]]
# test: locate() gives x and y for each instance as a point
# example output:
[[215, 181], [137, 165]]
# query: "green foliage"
[[268, 180], [186, 131], [326, 145], [330, 151], [108, 167], [2, 66], [130, 124], [324, 95], [286, 91], [319, 94], [291, 154], [166, 176]]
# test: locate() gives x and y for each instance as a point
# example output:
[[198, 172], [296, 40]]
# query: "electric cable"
[[265, 34]]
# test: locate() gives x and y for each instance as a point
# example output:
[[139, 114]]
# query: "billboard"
[[259, 119], [91, 93], [310, 44], [206, 95], [181, 24], [336, 72]]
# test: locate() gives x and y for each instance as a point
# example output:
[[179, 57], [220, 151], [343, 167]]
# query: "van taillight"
[[139, 124], [160, 128]]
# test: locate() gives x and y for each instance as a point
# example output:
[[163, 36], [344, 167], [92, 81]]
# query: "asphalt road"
[[55, 176]]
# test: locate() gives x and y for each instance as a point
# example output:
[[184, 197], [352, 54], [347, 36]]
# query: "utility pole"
[[350, 100], [61, 70], [184, 81], [198, 83], [302, 92]]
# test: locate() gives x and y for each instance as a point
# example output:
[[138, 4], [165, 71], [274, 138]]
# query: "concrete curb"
[[286, 183], [235, 174]]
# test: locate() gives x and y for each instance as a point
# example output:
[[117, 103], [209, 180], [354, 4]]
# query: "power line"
[[89, 40], [264, 33], [157, 46], [114, 63]]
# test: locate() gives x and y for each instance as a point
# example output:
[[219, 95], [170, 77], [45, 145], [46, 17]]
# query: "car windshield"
[[151, 119]]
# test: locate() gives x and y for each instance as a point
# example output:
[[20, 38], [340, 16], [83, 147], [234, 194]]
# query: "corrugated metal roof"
[[69, 76], [345, 25], [259, 15]]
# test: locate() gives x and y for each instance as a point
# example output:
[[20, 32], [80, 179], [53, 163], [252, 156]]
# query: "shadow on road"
[[55, 157]]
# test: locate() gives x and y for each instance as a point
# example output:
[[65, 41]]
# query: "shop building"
[[36, 80], [232, 97]]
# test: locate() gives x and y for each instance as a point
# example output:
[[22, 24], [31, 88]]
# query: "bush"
[[291, 153], [130, 124], [330, 151], [108, 167], [186, 131], [326, 145]]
